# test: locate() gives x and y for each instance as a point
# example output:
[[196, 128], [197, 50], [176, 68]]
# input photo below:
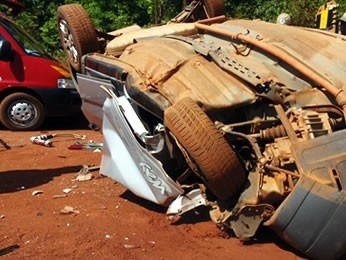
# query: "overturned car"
[[242, 116]]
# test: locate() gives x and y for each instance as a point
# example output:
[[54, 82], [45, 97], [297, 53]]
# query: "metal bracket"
[[247, 220], [184, 203]]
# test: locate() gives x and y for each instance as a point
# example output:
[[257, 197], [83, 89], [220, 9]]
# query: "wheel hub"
[[22, 112], [68, 41]]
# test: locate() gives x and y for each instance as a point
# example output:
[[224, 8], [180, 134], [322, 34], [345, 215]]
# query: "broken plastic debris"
[[37, 192], [84, 177], [128, 246], [86, 169], [173, 218], [45, 139], [59, 196], [67, 190], [69, 210], [38, 140], [89, 146], [152, 243], [84, 173]]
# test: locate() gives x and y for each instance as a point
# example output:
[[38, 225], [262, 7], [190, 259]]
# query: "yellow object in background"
[[326, 16]]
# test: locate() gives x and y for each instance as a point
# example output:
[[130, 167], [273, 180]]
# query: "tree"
[[39, 17], [303, 11]]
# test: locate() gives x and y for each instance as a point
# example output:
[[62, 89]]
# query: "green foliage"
[[39, 17], [111, 15], [303, 11]]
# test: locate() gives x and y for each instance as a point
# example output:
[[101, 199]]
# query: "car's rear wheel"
[[215, 7], [219, 166], [21, 111], [77, 33]]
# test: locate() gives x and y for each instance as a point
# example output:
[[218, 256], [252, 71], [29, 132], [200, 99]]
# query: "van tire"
[[77, 33], [21, 111], [219, 166], [215, 7]]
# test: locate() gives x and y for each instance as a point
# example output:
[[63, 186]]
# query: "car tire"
[[21, 111], [77, 33], [215, 7], [219, 165]]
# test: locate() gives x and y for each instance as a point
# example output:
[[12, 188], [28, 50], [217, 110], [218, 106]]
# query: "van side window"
[[27, 43]]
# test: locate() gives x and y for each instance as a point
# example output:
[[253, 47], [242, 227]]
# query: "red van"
[[33, 85]]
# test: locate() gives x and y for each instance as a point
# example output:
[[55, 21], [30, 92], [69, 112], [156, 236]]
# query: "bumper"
[[60, 102], [312, 218]]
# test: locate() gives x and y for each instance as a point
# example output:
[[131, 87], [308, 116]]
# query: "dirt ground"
[[46, 213]]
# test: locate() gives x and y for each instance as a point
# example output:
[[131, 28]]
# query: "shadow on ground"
[[265, 235], [65, 123], [62, 123], [128, 195], [11, 181]]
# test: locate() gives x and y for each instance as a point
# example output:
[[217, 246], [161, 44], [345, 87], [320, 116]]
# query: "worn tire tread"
[[219, 165], [82, 30]]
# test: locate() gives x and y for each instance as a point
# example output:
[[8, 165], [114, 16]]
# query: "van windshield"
[[29, 45]]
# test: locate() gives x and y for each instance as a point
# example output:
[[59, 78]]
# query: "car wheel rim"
[[67, 41], [22, 113]]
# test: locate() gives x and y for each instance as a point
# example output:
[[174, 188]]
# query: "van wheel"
[[220, 167], [21, 111], [77, 33], [215, 7]]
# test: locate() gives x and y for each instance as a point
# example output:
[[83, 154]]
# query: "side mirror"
[[6, 51]]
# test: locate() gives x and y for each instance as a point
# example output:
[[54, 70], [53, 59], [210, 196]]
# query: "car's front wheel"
[[21, 111], [219, 165]]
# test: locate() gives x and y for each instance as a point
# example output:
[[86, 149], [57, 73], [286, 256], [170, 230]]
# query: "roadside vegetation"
[[39, 17]]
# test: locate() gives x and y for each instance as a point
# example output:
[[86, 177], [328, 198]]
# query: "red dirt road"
[[104, 221]]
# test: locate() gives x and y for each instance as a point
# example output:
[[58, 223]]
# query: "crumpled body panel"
[[320, 50], [176, 68]]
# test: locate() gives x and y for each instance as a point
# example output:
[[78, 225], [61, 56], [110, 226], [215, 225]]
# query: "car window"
[[29, 45]]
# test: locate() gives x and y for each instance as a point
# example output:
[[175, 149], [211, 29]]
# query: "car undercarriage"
[[244, 117]]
